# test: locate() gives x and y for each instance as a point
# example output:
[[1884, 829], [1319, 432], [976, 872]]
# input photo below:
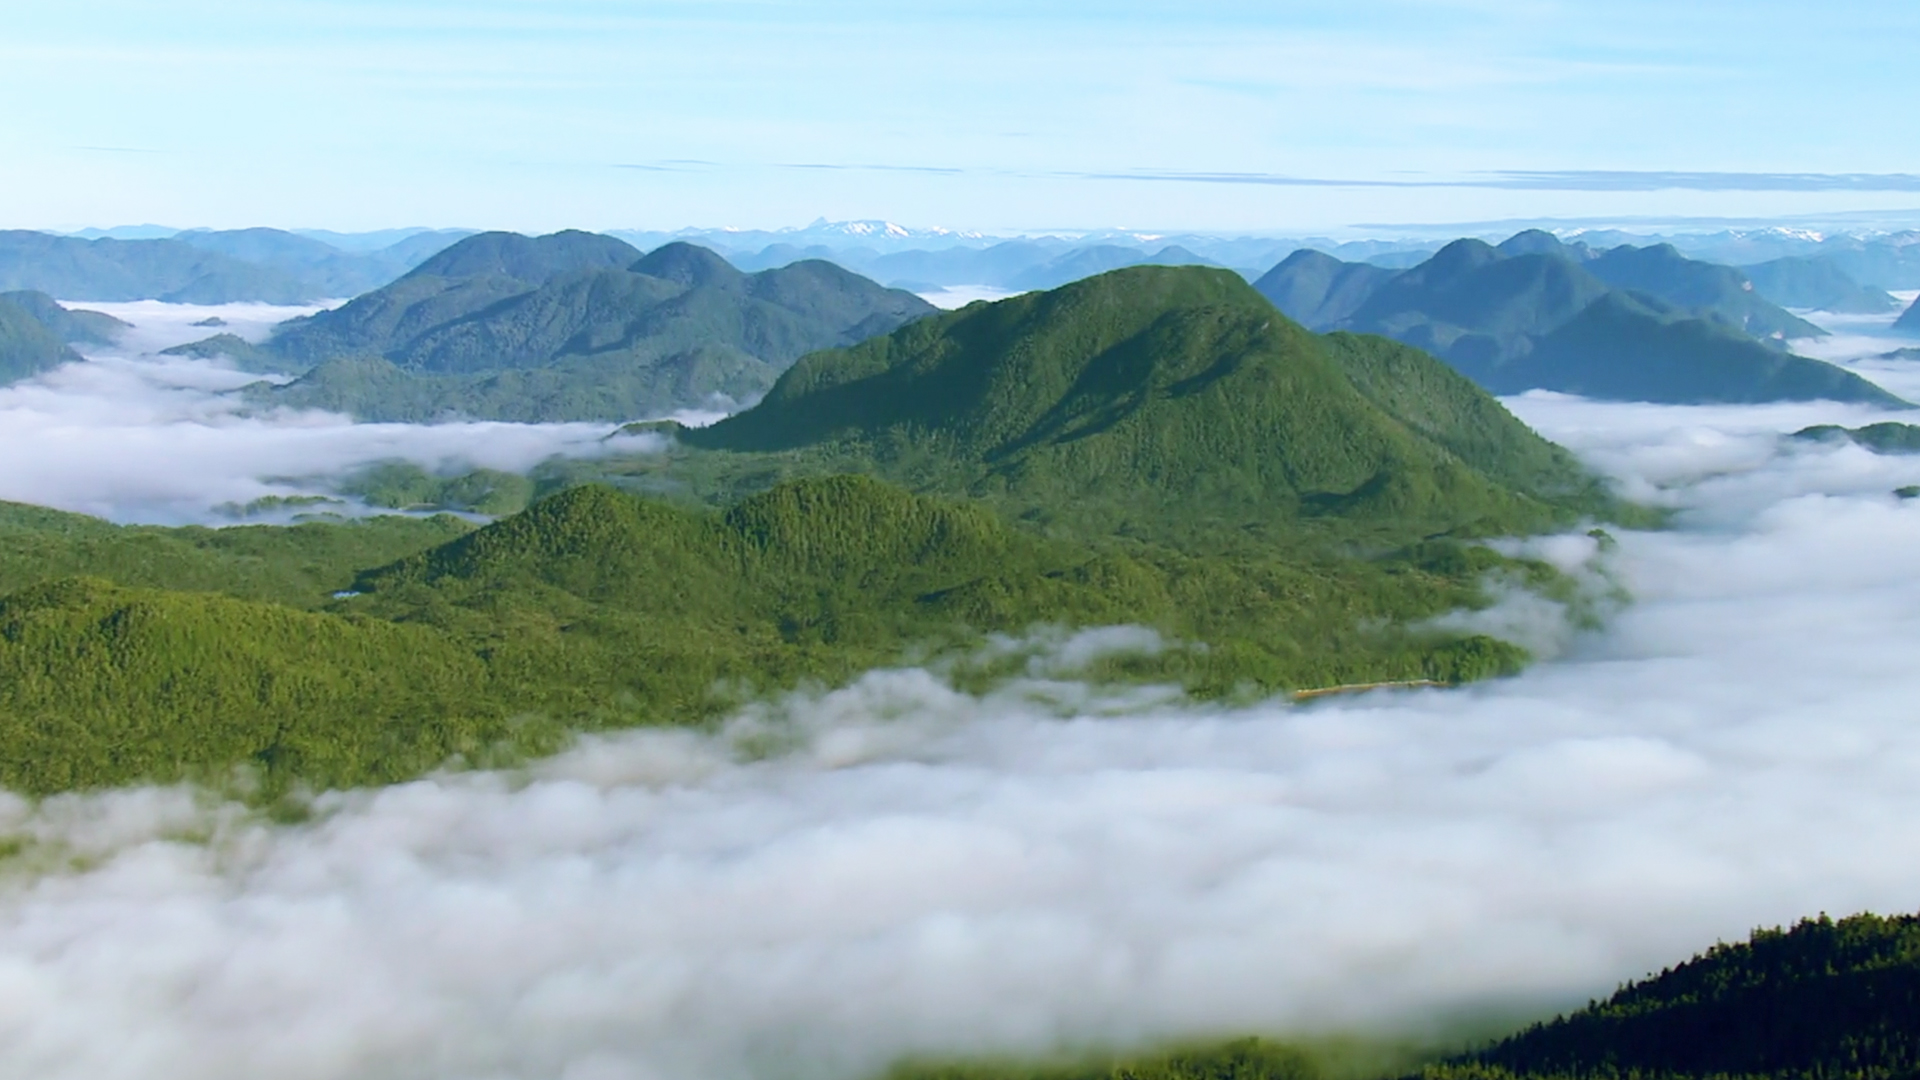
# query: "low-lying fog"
[[134, 436], [924, 872]]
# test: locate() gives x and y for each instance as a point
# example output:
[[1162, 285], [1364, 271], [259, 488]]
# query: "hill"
[[1802, 282], [203, 267], [37, 334], [1719, 293], [1827, 998], [71, 326], [105, 269], [1319, 291], [27, 346], [1632, 348], [324, 271], [1909, 319], [1155, 400], [1882, 438], [572, 327], [595, 608], [1534, 313]]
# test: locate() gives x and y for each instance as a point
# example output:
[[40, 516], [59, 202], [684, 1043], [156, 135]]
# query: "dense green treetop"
[[1830, 999]]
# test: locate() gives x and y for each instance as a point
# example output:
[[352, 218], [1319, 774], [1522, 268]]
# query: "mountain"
[[71, 326], [1630, 347], [202, 267], [1882, 438], [573, 326], [1161, 400], [1473, 302], [1817, 284], [1826, 998], [1720, 293], [595, 608], [111, 270], [325, 271], [37, 334], [27, 346], [1909, 319], [1319, 291], [1529, 314]]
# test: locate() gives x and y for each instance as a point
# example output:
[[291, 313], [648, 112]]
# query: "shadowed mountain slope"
[[1633, 348], [1801, 282], [1534, 313], [27, 346], [1909, 319], [1720, 293], [574, 327], [1317, 290]]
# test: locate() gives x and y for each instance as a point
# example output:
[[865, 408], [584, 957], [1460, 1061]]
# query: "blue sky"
[[994, 115]]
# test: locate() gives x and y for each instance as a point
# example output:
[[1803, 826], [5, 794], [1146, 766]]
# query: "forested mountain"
[[571, 326], [1530, 314], [325, 271], [1799, 282], [37, 334], [1318, 290], [1163, 397], [1831, 999], [1155, 447]]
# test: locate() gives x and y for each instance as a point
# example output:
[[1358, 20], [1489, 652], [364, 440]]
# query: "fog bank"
[[134, 436]]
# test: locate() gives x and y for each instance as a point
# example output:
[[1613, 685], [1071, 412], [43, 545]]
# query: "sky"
[[991, 115]]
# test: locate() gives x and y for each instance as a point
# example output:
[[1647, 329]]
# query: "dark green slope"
[[1909, 319], [1317, 290], [1632, 349], [1162, 397], [1882, 438], [1835, 1000], [101, 684], [595, 608], [27, 346], [1817, 284], [515, 328], [1719, 293], [296, 565]]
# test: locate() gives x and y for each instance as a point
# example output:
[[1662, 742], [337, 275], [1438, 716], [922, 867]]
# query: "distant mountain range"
[[204, 267], [1629, 323], [572, 326]]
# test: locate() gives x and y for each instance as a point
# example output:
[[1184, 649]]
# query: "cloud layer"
[[134, 436]]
